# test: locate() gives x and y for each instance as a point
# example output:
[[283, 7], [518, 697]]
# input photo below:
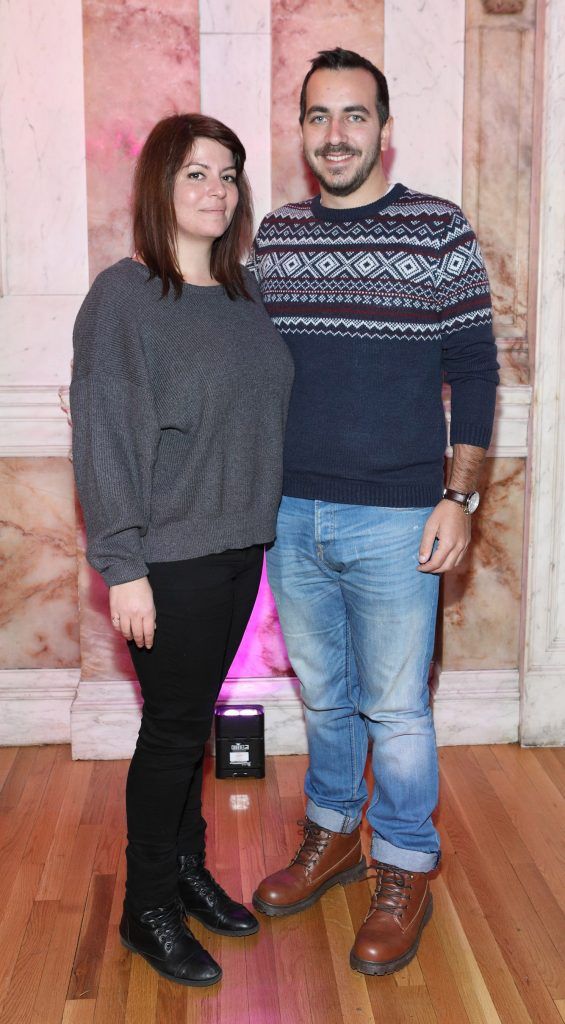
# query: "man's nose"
[[336, 131]]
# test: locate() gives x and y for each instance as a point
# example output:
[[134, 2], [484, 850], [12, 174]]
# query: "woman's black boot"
[[205, 900], [162, 938]]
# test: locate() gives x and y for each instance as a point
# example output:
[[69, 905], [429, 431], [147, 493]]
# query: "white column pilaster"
[[543, 689]]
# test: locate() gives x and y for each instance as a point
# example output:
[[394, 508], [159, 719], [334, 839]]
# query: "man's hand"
[[133, 611], [452, 528]]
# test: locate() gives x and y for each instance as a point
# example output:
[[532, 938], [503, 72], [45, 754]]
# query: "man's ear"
[[386, 134]]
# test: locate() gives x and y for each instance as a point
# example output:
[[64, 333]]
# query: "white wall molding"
[[101, 719], [33, 423], [469, 707], [511, 422], [105, 715], [35, 705], [476, 707]]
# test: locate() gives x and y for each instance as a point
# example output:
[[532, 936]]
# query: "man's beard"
[[345, 188]]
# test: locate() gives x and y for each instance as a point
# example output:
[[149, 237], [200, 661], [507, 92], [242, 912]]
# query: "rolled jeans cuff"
[[333, 821], [407, 860]]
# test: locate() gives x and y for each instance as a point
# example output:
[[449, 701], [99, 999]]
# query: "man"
[[381, 294]]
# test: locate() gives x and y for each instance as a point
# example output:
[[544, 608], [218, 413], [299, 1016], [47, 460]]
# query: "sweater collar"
[[356, 213]]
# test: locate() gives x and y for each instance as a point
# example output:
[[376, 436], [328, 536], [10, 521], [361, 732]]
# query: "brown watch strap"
[[457, 496]]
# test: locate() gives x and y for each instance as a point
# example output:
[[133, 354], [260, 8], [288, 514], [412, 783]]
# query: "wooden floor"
[[493, 952]]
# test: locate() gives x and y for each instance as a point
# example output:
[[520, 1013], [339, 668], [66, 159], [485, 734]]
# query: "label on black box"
[[239, 753]]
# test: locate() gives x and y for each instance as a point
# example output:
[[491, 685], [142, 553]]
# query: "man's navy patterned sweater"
[[379, 306]]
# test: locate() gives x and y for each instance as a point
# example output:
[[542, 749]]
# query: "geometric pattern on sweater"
[[411, 272]]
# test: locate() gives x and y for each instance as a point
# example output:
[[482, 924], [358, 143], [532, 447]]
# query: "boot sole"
[[171, 977], [390, 966], [343, 878], [221, 931]]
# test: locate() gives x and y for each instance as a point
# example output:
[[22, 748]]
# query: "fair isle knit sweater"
[[379, 306]]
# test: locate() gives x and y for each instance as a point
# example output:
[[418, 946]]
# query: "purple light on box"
[[237, 712]]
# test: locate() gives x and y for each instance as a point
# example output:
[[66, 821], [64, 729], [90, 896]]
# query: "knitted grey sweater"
[[178, 410]]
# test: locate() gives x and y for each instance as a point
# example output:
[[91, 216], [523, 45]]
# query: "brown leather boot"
[[400, 908], [323, 859]]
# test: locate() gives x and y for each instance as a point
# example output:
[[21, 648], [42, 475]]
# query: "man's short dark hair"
[[345, 60]]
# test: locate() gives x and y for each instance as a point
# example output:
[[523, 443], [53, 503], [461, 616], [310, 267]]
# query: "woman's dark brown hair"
[[154, 221]]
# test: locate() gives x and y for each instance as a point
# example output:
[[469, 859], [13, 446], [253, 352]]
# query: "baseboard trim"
[[101, 719], [35, 705]]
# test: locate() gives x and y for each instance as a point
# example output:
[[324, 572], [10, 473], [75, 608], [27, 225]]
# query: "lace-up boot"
[[400, 908], [205, 900], [161, 937], [323, 859]]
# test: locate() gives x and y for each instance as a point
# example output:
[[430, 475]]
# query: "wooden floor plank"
[[503, 903], [58, 861], [79, 1011], [7, 757], [552, 766], [87, 965], [473, 990], [31, 954], [21, 804], [351, 986], [51, 994], [113, 985]]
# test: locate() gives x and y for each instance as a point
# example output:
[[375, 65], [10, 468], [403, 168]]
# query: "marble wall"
[[38, 603], [141, 62], [463, 94]]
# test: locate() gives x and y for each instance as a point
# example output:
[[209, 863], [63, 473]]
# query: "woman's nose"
[[218, 187]]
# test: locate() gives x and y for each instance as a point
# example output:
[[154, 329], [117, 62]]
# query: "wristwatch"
[[469, 502]]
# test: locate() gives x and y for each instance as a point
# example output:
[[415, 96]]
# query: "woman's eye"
[[195, 175], [229, 178]]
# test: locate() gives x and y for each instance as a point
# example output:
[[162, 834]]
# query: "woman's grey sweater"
[[178, 410]]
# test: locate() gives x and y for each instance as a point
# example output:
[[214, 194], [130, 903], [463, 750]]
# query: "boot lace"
[[314, 842], [204, 884], [166, 923], [392, 889]]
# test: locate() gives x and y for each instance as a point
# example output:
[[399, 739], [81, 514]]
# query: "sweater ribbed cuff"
[[122, 572], [476, 434]]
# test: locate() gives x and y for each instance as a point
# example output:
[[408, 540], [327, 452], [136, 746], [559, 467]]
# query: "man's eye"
[[356, 117], [317, 119]]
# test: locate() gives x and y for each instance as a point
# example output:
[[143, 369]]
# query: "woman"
[[179, 396]]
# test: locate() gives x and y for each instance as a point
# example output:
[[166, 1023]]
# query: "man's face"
[[341, 134]]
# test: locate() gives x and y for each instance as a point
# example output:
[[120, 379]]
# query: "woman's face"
[[205, 194]]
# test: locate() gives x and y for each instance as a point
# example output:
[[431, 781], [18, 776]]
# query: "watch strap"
[[459, 496]]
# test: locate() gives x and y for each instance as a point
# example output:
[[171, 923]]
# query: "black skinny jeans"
[[203, 606]]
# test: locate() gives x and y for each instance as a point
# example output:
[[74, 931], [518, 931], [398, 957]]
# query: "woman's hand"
[[133, 611]]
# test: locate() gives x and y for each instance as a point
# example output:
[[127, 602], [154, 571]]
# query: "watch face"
[[473, 502]]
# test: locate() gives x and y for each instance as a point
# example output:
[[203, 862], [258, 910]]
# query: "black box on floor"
[[240, 741]]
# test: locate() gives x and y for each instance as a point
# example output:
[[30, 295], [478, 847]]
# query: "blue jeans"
[[358, 621]]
